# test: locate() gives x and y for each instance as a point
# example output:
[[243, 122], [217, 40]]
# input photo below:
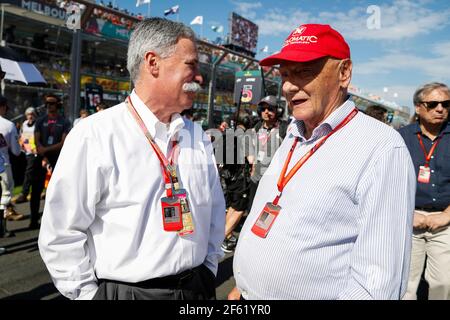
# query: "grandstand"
[[37, 31]]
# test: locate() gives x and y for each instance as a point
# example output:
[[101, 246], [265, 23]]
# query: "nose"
[[440, 107], [199, 79]]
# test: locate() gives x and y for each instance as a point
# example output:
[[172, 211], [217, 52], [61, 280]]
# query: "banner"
[[108, 29], [93, 96], [250, 83]]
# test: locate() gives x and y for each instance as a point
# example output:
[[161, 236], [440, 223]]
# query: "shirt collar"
[[152, 123], [331, 122]]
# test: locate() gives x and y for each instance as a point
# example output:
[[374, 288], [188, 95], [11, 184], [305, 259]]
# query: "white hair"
[[157, 35]]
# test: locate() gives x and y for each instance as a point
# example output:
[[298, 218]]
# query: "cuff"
[[88, 295]]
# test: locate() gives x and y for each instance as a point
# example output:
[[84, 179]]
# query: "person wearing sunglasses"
[[428, 141], [50, 133]]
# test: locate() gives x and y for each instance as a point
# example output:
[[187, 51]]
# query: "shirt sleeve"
[[72, 194], [14, 145], [379, 261], [217, 228]]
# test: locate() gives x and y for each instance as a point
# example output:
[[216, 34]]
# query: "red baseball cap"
[[309, 42]]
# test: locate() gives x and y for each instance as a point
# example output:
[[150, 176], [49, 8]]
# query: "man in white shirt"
[[115, 190], [9, 141], [332, 216]]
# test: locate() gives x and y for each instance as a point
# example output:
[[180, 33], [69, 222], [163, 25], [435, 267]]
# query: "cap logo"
[[299, 30], [300, 40]]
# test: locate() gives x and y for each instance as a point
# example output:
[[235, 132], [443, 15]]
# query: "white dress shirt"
[[9, 139], [102, 216], [344, 230]]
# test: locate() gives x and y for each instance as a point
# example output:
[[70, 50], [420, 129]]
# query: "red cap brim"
[[292, 55]]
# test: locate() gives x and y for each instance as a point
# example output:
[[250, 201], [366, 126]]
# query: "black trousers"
[[37, 185], [195, 284], [29, 169], [253, 186]]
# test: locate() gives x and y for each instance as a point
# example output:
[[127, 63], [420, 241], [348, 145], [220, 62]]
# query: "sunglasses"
[[434, 104], [270, 108]]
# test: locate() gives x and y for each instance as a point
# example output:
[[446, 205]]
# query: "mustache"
[[193, 87]]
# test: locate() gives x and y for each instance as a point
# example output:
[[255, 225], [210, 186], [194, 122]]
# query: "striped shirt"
[[344, 230]]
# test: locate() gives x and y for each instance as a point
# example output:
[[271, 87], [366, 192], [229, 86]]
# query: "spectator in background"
[[236, 176], [100, 107], [428, 141], [29, 148], [83, 114], [188, 114], [50, 132], [377, 112], [9, 35], [223, 126], [270, 132], [2, 169], [9, 141], [3, 231]]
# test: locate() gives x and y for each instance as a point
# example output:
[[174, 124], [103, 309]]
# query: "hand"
[[420, 221], [234, 294], [436, 221]]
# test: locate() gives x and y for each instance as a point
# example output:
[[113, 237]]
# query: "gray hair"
[[426, 88], [30, 110], [154, 34]]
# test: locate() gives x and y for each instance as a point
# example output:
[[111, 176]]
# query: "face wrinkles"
[[178, 69], [311, 88]]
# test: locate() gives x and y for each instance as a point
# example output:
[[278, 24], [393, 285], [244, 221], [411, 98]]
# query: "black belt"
[[430, 209], [169, 282]]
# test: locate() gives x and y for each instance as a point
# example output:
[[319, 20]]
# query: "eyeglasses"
[[266, 107], [434, 104]]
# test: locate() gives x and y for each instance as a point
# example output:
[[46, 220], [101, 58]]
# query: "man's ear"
[[345, 72], [417, 107], [152, 63]]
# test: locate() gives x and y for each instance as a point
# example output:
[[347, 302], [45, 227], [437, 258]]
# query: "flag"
[[140, 2], [265, 49], [172, 10], [197, 20], [218, 29]]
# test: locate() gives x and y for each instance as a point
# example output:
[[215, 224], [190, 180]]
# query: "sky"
[[396, 45]]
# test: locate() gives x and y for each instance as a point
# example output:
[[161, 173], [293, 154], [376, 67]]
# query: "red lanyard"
[[168, 169], [283, 180], [433, 147]]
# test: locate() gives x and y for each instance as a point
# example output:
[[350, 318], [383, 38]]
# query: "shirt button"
[[432, 157], [434, 199], [432, 171], [433, 185]]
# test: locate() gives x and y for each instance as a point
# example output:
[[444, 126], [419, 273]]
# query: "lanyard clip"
[[277, 198]]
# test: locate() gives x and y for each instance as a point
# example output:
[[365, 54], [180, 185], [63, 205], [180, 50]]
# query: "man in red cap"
[[332, 216]]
